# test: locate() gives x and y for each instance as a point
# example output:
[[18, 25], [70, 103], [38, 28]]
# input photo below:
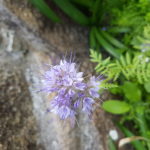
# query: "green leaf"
[[72, 11], [109, 48], [106, 85], [116, 106], [132, 91], [116, 90], [128, 58], [92, 39], [112, 40], [111, 144], [119, 30], [97, 11], [147, 86], [85, 3], [44, 8], [95, 56]]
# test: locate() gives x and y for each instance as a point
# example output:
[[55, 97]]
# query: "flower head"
[[72, 92]]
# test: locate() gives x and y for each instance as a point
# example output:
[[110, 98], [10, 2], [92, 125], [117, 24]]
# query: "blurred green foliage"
[[132, 75], [90, 13]]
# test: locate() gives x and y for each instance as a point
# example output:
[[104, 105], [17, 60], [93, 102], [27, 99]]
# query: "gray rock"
[[26, 51]]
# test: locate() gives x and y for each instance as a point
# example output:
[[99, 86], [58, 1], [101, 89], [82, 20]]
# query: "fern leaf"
[[131, 68], [122, 60], [98, 66], [128, 58], [108, 85], [95, 57], [100, 69]]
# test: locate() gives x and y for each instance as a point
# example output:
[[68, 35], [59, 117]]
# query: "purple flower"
[[77, 104], [87, 105], [72, 93], [94, 93], [94, 86], [81, 86]]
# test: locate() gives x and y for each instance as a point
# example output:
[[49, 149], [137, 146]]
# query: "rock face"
[[24, 123], [17, 123]]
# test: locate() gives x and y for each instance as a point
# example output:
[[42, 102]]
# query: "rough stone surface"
[[65, 37], [17, 123], [84, 136], [27, 44]]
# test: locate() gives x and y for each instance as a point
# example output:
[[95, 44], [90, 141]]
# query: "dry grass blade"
[[127, 140]]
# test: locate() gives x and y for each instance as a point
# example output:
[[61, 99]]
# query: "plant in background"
[[90, 13], [134, 16], [133, 68], [133, 74], [95, 14], [142, 42]]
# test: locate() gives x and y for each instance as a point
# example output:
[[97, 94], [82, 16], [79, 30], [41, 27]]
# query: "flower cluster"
[[72, 93]]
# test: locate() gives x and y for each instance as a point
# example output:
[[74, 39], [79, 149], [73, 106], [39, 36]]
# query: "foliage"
[[137, 144], [48, 12], [72, 11], [138, 12], [103, 34], [104, 39], [112, 106], [111, 144], [133, 75], [134, 68], [88, 13], [142, 42], [104, 84]]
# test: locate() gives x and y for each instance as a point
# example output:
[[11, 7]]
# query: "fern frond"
[[95, 56], [108, 85], [131, 67], [128, 58]]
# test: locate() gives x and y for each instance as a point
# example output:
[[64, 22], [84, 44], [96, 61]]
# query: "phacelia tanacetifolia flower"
[[72, 93]]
